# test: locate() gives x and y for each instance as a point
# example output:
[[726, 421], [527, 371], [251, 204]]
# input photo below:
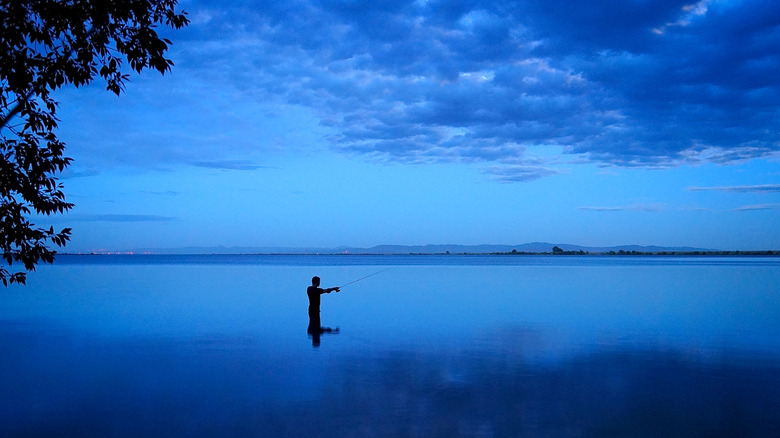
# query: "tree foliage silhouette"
[[45, 45]]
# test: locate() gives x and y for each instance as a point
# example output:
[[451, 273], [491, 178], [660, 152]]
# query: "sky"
[[359, 123]]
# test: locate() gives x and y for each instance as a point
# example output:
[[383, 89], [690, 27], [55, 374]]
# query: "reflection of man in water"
[[315, 326]]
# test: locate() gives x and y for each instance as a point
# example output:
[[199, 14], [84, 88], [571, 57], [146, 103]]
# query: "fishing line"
[[363, 278]]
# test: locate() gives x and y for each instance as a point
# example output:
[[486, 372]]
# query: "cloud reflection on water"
[[73, 384]]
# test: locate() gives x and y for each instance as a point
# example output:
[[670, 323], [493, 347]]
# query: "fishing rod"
[[363, 278]]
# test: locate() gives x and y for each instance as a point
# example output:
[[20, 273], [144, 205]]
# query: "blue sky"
[[326, 123]]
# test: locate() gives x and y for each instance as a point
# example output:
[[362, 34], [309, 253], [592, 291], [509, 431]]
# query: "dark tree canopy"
[[45, 45]]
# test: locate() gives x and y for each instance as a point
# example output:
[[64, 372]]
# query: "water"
[[488, 346]]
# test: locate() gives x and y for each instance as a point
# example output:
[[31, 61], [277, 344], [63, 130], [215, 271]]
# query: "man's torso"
[[314, 299]]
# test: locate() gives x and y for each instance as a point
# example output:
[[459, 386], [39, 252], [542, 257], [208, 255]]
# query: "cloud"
[[396, 79], [758, 207], [761, 188], [69, 173], [626, 83], [634, 207], [519, 173], [229, 165], [161, 193], [594, 208], [118, 218]]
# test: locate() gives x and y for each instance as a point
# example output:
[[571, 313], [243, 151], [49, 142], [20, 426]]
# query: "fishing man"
[[314, 292]]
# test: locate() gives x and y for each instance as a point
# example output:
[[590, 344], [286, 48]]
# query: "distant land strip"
[[659, 253], [535, 248]]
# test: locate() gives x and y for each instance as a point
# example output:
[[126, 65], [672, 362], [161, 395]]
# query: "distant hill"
[[533, 247]]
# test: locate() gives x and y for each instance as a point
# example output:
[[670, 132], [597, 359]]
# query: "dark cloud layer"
[[620, 82]]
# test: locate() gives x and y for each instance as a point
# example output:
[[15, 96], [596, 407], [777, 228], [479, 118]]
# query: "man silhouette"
[[315, 326]]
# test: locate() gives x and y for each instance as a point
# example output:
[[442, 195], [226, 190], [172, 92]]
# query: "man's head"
[[315, 281]]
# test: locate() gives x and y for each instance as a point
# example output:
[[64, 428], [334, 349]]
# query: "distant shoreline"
[[737, 253], [530, 248]]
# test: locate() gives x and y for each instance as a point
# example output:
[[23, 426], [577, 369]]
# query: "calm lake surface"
[[428, 346]]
